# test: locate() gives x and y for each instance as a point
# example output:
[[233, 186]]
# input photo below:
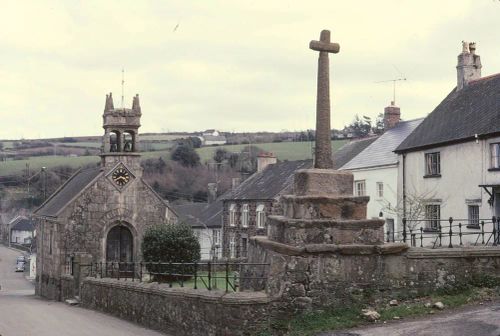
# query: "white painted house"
[[375, 169], [452, 159], [213, 137], [21, 230], [206, 221]]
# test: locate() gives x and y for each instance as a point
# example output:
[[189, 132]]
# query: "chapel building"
[[100, 213]]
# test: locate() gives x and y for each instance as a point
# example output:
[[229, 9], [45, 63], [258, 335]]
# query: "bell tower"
[[121, 136]]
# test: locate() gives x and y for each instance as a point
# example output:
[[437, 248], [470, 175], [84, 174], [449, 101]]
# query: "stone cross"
[[323, 147]]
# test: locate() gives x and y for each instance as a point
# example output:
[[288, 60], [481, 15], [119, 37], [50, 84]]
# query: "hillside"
[[283, 150]]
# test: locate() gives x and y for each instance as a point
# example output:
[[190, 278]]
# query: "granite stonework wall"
[[238, 231], [178, 311], [82, 228], [318, 275], [322, 251]]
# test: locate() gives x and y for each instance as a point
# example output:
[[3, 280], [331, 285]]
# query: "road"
[[24, 314], [469, 321]]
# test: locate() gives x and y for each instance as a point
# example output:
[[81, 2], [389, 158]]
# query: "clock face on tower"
[[120, 176]]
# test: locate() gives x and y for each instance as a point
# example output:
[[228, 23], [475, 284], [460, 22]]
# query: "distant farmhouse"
[[212, 137], [453, 156], [101, 213]]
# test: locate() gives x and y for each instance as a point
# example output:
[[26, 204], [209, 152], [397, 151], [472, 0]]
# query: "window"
[[51, 238], [432, 216], [216, 237], [473, 215], [360, 188], [261, 216], [495, 155], [245, 215], [432, 164], [380, 189], [232, 215], [232, 247], [244, 247]]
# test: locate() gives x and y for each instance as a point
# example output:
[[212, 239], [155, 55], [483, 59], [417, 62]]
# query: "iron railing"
[[230, 276], [447, 232]]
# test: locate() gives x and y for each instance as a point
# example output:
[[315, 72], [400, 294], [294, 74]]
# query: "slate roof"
[[22, 224], [381, 151], [268, 183], [473, 110], [67, 192], [201, 215], [348, 151]]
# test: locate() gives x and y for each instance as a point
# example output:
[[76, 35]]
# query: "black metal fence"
[[229, 276], [447, 232]]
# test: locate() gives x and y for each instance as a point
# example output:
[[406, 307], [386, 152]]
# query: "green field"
[[80, 144], [283, 151]]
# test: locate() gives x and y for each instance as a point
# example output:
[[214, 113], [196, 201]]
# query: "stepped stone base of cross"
[[323, 210]]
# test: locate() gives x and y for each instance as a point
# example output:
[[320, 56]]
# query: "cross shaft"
[[323, 147]]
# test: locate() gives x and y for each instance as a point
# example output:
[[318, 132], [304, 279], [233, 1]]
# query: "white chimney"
[[265, 159], [469, 65], [212, 192], [235, 182]]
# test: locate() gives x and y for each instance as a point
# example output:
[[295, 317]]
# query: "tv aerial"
[[401, 77]]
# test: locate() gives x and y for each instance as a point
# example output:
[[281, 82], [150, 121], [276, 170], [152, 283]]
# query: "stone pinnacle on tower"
[[323, 147]]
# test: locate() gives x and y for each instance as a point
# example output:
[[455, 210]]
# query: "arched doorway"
[[119, 245]]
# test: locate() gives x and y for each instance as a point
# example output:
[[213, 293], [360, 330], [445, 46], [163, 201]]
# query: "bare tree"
[[412, 207]]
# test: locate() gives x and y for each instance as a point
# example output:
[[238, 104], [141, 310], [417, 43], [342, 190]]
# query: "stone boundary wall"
[[321, 275], [178, 311]]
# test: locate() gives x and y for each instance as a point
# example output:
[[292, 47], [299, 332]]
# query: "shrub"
[[174, 243]]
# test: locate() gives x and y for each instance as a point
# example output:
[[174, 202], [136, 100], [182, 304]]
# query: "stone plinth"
[[323, 182], [321, 207], [300, 232], [324, 211]]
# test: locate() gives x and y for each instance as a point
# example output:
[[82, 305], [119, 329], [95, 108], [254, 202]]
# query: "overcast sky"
[[230, 65]]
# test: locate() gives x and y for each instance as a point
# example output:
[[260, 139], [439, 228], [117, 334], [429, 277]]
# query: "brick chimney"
[[212, 192], [264, 159], [469, 65], [392, 116]]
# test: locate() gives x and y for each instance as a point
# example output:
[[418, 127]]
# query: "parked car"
[[20, 266], [21, 258]]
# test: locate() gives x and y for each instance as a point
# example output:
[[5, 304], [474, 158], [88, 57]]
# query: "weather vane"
[[123, 84]]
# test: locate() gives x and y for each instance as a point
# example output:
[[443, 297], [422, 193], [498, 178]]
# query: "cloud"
[[230, 65]]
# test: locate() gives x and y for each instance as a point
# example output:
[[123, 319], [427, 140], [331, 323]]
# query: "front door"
[[119, 245], [496, 239]]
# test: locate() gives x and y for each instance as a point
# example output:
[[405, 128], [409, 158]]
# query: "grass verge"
[[312, 323]]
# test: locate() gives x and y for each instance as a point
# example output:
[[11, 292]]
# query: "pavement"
[[467, 321], [24, 314]]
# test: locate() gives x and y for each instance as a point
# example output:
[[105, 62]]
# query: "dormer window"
[[432, 164]]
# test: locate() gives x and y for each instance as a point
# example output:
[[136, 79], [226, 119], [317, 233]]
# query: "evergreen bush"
[[166, 244]]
